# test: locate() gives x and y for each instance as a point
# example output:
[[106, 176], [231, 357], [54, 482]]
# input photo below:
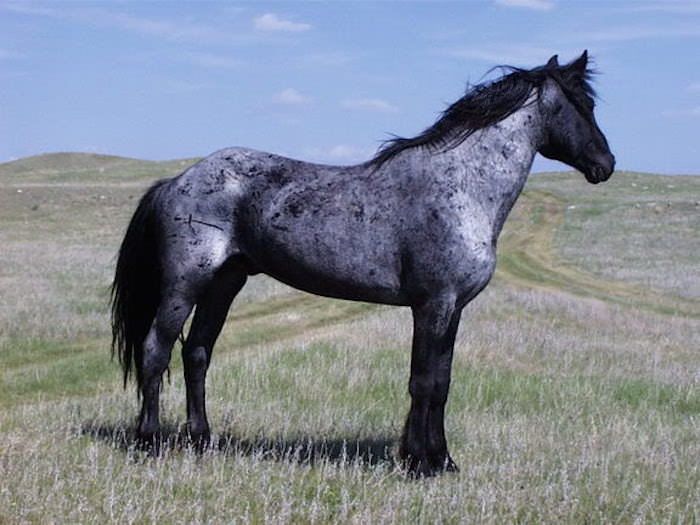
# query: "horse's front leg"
[[423, 448]]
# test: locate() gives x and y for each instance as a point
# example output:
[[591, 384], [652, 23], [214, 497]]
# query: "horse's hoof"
[[428, 467], [150, 442], [419, 468], [199, 441], [450, 466]]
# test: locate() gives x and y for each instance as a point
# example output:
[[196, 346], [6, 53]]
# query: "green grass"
[[656, 220], [574, 396], [86, 168]]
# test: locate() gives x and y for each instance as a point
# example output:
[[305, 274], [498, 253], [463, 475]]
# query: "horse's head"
[[572, 135]]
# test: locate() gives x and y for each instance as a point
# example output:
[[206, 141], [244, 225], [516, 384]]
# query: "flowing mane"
[[490, 102]]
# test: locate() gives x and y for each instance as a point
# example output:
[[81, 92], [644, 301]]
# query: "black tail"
[[136, 286]]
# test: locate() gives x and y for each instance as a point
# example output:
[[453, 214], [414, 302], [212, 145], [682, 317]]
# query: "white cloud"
[[688, 112], [173, 29], [179, 87], [341, 153], [632, 33], [26, 9], [235, 11], [272, 22], [537, 5], [291, 97], [12, 75], [327, 59], [694, 87], [511, 54], [212, 61], [667, 6], [371, 104], [6, 54]]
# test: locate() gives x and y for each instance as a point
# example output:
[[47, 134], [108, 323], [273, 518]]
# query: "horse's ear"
[[553, 62], [579, 65]]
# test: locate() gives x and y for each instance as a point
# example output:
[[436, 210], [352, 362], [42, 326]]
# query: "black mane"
[[490, 102]]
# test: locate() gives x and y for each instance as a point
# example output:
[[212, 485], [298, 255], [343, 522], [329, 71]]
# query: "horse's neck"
[[494, 162]]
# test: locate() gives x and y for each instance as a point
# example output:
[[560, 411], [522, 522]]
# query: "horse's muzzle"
[[601, 170]]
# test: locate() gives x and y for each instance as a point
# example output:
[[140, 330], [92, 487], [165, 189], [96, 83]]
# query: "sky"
[[328, 81]]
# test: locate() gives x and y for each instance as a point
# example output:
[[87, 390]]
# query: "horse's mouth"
[[598, 173]]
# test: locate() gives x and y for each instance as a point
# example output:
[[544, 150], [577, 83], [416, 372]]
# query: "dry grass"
[[575, 397]]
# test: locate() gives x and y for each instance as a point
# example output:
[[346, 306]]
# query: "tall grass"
[[568, 404]]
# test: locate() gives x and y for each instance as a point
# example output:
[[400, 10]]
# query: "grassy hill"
[[86, 168], [575, 392]]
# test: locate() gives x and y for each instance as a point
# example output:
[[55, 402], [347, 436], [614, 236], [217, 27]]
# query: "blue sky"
[[328, 81]]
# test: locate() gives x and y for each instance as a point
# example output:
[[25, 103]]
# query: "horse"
[[416, 226]]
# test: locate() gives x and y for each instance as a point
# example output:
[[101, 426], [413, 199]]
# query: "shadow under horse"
[[301, 449], [415, 226]]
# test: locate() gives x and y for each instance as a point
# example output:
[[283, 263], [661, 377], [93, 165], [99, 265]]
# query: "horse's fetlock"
[[420, 386], [441, 389]]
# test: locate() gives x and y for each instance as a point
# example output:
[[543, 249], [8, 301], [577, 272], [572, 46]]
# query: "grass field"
[[575, 393]]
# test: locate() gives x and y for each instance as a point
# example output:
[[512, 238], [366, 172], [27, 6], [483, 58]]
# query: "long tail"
[[136, 286]]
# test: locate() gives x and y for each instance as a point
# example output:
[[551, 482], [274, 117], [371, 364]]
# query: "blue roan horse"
[[415, 226]]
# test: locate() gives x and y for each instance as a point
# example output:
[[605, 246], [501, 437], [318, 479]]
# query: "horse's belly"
[[333, 286], [353, 265]]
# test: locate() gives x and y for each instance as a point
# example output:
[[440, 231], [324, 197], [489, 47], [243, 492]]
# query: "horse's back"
[[319, 228], [325, 229]]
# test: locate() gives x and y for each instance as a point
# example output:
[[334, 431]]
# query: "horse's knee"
[[195, 356], [170, 318], [156, 355], [196, 361], [156, 359]]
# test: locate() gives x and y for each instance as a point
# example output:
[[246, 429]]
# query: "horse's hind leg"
[[209, 318], [173, 310]]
